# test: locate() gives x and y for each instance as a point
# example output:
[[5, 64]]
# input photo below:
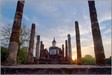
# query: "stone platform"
[[55, 69]]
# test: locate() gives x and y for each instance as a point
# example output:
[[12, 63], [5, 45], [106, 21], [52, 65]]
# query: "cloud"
[[5, 1], [104, 17], [108, 31], [26, 17]]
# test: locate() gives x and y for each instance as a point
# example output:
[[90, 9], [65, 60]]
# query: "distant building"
[[54, 55]]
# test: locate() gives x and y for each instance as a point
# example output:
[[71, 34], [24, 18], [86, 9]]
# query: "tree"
[[22, 46], [23, 39], [6, 34], [88, 60], [4, 53], [22, 57], [24, 34], [108, 60]]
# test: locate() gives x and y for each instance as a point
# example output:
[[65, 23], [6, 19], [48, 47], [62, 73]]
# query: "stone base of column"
[[30, 60], [9, 62], [79, 62], [36, 61], [69, 60], [12, 54]]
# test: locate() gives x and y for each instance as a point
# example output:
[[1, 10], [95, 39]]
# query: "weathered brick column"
[[14, 40], [66, 49], [63, 51], [79, 56], [97, 39], [37, 48], [41, 50], [31, 45], [69, 47]]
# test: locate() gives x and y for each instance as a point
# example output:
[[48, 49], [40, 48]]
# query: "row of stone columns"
[[14, 40], [97, 39], [68, 51]]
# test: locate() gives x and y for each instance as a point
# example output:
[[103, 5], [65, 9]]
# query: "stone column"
[[69, 47], [97, 39], [63, 51], [66, 49], [41, 50], [37, 48], [42, 46], [14, 39], [31, 45], [79, 56]]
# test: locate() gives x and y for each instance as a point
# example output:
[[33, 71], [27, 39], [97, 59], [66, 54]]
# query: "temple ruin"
[[54, 55]]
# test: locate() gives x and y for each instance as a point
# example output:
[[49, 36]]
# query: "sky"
[[56, 18]]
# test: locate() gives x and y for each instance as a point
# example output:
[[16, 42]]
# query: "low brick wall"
[[76, 70]]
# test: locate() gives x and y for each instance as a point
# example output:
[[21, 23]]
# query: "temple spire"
[[54, 42]]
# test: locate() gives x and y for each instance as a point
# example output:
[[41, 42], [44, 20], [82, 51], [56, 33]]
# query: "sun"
[[73, 57]]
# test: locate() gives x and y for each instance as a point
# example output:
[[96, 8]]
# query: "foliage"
[[22, 57], [4, 54], [109, 61], [88, 60], [23, 41]]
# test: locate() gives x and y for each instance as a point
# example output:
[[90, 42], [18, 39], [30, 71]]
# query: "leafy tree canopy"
[[88, 60]]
